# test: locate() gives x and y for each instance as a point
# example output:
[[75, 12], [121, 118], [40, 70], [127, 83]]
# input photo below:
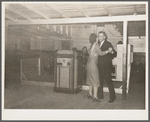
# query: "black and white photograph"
[[83, 60]]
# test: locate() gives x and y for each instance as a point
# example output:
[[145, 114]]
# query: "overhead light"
[[54, 27]]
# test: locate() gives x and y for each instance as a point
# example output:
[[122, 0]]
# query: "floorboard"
[[23, 96]]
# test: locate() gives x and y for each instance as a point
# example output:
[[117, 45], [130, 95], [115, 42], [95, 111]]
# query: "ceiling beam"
[[17, 12], [80, 9], [9, 17], [35, 31], [80, 20], [38, 30], [34, 10], [134, 9], [58, 11], [52, 30], [30, 30], [47, 31], [20, 32], [106, 9]]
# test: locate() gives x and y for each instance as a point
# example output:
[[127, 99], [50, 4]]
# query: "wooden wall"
[[139, 44], [80, 35], [113, 35], [15, 41]]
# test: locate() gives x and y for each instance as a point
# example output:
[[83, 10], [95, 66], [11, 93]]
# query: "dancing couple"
[[99, 66]]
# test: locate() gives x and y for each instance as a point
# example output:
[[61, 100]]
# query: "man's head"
[[102, 36]]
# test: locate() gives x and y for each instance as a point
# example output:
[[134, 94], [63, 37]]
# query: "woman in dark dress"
[[85, 56]]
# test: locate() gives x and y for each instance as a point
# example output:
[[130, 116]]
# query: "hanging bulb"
[[85, 26], [54, 27], [47, 26]]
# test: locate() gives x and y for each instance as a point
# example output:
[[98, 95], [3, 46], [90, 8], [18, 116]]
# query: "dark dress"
[[85, 58]]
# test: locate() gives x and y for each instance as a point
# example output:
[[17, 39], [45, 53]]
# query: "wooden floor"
[[18, 96]]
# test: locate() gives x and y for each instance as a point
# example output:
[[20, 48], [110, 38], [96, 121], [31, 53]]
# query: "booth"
[[36, 67]]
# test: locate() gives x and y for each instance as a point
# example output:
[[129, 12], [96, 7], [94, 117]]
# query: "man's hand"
[[112, 52], [110, 49]]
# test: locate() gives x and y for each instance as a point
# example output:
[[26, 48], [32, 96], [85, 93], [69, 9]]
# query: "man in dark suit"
[[105, 66]]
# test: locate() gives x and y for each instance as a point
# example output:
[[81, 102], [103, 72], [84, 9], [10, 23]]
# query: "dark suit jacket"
[[106, 60]]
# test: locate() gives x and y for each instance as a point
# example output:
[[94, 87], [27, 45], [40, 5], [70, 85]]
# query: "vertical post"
[[95, 26], [125, 24], [39, 66], [53, 45], [71, 36], [40, 46], [71, 31], [18, 43], [54, 27], [61, 29], [67, 31], [21, 70], [7, 68], [32, 43], [6, 37]]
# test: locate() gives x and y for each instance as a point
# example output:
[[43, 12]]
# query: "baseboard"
[[37, 83], [84, 87], [105, 89]]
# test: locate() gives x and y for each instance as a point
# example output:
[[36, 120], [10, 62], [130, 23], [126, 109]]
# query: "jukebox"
[[68, 71]]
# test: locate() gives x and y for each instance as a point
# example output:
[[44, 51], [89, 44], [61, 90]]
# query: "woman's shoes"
[[96, 99], [89, 96]]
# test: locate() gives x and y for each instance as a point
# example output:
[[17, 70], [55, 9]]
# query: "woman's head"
[[74, 49], [84, 49], [92, 38]]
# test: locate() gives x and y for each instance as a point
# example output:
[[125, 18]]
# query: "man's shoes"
[[101, 97], [111, 100], [96, 99]]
